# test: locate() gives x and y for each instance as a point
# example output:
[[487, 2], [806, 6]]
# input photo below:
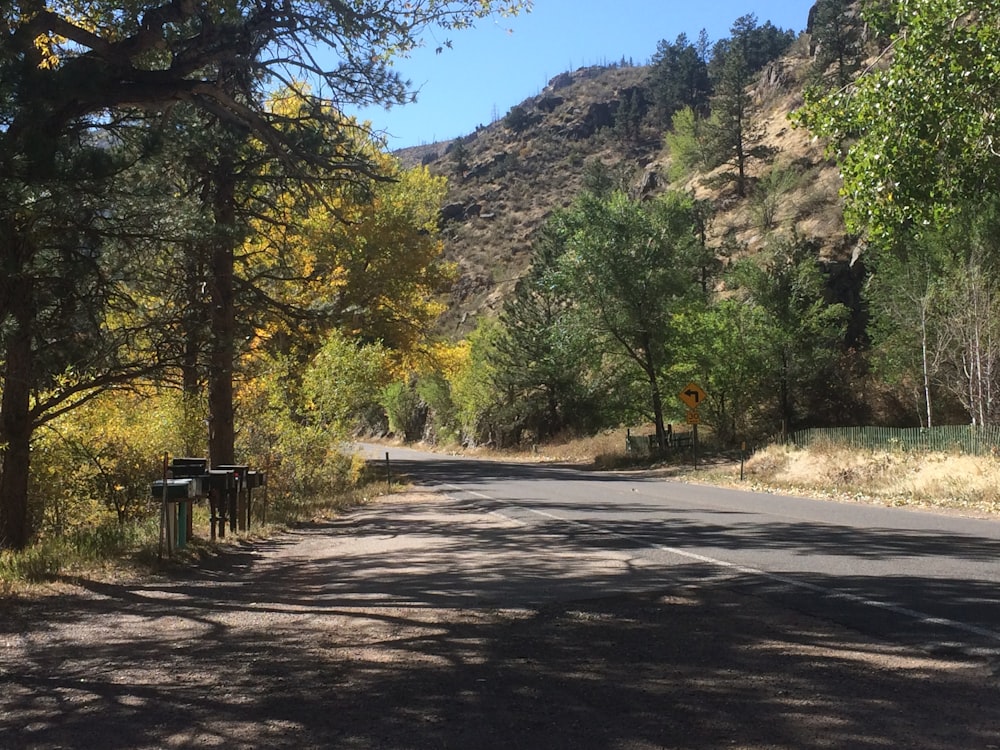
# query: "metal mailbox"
[[176, 489], [188, 467], [228, 488]]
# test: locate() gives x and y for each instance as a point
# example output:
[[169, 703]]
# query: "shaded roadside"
[[417, 623]]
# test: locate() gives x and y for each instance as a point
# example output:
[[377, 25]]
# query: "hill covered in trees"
[[795, 313], [705, 124], [506, 178]]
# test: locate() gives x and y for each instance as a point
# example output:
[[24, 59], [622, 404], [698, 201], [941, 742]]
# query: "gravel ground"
[[407, 624]]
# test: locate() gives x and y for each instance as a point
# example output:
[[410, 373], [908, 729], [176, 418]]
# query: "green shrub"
[[406, 411]]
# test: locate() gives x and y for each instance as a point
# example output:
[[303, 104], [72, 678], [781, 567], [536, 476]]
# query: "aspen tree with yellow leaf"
[[76, 78]]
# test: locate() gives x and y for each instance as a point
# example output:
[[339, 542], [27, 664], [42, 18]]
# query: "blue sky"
[[503, 61]]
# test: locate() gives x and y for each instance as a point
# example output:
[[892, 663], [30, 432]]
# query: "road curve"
[[503, 605], [909, 577]]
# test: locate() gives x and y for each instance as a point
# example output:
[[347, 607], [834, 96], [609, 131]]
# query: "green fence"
[[645, 445], [972, 439]]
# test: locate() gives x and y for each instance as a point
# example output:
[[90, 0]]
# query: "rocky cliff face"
[[507, 177]]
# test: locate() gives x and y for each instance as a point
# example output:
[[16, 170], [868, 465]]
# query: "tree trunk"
[[222, 321], [15, 418], [741, 164], [661, 430], [656, 398], [925, 365], [785, 390], [193, 333]]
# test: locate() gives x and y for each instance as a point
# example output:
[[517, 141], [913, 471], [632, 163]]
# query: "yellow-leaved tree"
[[348, 275], [359, 256]]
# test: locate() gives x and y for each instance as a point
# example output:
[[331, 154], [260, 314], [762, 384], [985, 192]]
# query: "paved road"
[[913, 578], [537, 607]]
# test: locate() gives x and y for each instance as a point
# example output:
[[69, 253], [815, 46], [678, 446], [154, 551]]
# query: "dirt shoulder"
[[414, 623]]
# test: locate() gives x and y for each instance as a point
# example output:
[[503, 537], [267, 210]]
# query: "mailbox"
[[228, 488], [176, 489], [188, 467], [239, 471], [221, 480]]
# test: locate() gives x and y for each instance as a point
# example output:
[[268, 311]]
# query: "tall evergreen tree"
[[734, 133], [540, 359], [679, 78], [837, 41], [804, 333]]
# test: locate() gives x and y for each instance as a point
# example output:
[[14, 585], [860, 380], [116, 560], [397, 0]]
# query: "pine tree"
[[837, 41], [540, 357], [678, 79]]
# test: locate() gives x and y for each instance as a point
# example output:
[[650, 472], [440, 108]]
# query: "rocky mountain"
[[507, 177]]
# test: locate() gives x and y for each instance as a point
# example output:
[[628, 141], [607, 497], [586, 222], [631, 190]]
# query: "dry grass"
[[943, 481], [899, 478], [604, 450]]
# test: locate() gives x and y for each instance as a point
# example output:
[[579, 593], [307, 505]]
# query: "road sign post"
[[693, 395]]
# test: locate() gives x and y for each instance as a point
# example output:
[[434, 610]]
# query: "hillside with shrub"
[[505, 179], [709, 121], [794, 312]]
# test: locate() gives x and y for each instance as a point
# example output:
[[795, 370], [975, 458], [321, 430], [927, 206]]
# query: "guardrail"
[[646, 444]]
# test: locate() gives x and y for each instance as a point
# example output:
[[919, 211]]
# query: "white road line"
[[921, 617]]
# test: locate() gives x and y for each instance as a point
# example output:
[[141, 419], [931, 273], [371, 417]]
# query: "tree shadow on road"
[[408, 629]]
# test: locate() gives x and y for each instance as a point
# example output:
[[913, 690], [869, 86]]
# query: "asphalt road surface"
[[907, 577], [509, 605]]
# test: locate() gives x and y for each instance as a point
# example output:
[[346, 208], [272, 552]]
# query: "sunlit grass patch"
[[954, 481], [894, 477]]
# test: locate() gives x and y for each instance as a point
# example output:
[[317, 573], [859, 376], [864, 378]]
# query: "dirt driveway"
[[420, 623]]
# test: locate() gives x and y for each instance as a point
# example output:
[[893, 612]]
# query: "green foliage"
[[905, 296], [342, 380], [630, 267], [916, 134], [459, 155], [756, 45], [84, 547], [435, 391], [481, 407], [542, 359], [770, 192], [731, 129], [801, 334], [407, 412], [727, 349], [679, 77], [281, 431], [629, 115], [686, 143], [600, 179]]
